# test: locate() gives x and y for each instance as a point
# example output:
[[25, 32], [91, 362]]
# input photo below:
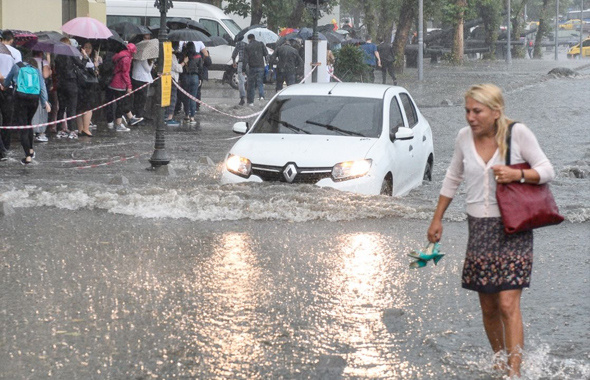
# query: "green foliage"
[[350, 63]]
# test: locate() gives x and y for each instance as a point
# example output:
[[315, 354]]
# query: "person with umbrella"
[[240, 66], [87, 96], [29, 90], [118, 87], [387, 56], [66, 67], [289, 60], [254, 55], [7, 99], [41, 116]]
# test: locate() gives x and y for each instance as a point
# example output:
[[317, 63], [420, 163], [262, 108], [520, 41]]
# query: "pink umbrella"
[[87, 27]]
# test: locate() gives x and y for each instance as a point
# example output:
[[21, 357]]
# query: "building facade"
[[37, 15]]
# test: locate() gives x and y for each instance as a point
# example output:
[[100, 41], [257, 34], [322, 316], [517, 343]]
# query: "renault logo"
[[290, 172]]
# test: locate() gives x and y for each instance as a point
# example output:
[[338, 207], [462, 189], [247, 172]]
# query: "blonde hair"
[[490, 96]]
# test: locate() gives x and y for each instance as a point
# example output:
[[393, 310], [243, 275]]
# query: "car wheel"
[[428, 170], [234, 80], [387, 186]]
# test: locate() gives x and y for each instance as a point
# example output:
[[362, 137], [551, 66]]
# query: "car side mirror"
[[404, 133], [241, 127]]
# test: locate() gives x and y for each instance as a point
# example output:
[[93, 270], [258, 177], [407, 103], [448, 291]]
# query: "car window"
[[322, 115], [586, 43], [111, 20], [213, 27], [396, 119], [409, 109]]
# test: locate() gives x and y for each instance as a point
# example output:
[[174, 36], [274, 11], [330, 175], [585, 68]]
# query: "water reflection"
[[233, 290], [368, 283]]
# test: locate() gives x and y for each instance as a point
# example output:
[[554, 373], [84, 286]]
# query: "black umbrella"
[[353, 41], [242, 33], [128, 30], [188, 35], [181, 23], [49, 35]]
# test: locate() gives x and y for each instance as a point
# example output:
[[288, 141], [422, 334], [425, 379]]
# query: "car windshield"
[[322, 115]]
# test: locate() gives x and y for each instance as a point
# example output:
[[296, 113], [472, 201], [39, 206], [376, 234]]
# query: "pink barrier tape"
[[211, 107], [83, 113]]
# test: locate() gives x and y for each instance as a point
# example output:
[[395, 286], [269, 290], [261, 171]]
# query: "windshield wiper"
[[291, 126], [333, 128]]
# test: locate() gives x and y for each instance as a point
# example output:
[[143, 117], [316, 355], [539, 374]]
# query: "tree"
[[542, 30], [349, 63], [407, 15], [490, 12]]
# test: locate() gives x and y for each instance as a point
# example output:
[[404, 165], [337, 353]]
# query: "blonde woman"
[[498, 266]]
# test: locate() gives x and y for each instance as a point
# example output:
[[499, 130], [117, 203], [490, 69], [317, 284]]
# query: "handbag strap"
[[509, 141]]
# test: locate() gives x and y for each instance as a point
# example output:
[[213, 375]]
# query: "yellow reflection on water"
[[365, 280], [234, 290]]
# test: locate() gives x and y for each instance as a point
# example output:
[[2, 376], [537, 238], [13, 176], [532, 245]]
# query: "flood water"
[[179, 277]]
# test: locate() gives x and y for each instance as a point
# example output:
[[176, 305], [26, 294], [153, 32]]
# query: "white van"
[[143, 12]]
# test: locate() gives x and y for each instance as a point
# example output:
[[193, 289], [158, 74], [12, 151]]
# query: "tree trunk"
[[369, 20], [407, 15], [518, 51], [541, 30], [458, 40], [256, 12]]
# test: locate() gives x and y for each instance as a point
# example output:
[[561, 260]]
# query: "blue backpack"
[[28, 84]]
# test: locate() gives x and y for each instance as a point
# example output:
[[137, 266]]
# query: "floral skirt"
[[496, 261]]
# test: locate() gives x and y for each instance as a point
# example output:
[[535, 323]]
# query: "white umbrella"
[[264, 35]]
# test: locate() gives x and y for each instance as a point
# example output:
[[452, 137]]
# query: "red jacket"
[[121, 79]]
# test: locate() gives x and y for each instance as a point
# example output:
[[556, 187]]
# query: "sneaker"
[[261, 98], [92, 125], [187, 119], [121, 128], [124, 118], [25, 162], [135, 120], [172, 123], [251, 104], [62, 135], [111, 125], [73, 135], [242, 101], [41, 138]]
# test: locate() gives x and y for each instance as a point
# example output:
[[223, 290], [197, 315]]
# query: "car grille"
[[303, 175]]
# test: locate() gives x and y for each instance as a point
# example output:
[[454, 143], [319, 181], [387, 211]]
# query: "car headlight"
[[351, 169], [238, 165]]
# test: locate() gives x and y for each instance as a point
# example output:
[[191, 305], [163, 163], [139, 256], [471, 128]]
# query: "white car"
[[364, 138]]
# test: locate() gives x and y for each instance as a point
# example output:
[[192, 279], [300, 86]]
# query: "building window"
[[68, 10]]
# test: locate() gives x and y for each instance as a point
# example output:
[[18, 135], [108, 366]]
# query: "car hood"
[[304, 150]]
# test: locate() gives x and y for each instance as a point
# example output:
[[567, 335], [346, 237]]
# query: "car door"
[[417, 144], [400, 150]]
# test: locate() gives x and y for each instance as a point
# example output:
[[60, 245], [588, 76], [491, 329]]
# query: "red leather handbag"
[[525, 206]]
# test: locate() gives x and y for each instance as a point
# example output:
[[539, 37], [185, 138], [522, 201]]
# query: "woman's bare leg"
[[514, 331]]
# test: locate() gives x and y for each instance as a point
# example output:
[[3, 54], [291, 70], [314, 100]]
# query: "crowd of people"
[[53, 87]]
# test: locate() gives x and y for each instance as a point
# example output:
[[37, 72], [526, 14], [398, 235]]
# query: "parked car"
[[364, 138], [574, 51], [570, 24]]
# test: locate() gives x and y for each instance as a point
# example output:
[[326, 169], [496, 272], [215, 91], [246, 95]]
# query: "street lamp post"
[[314, 41], [421, 40], [556, 27], [160, 157], [509, 43]]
